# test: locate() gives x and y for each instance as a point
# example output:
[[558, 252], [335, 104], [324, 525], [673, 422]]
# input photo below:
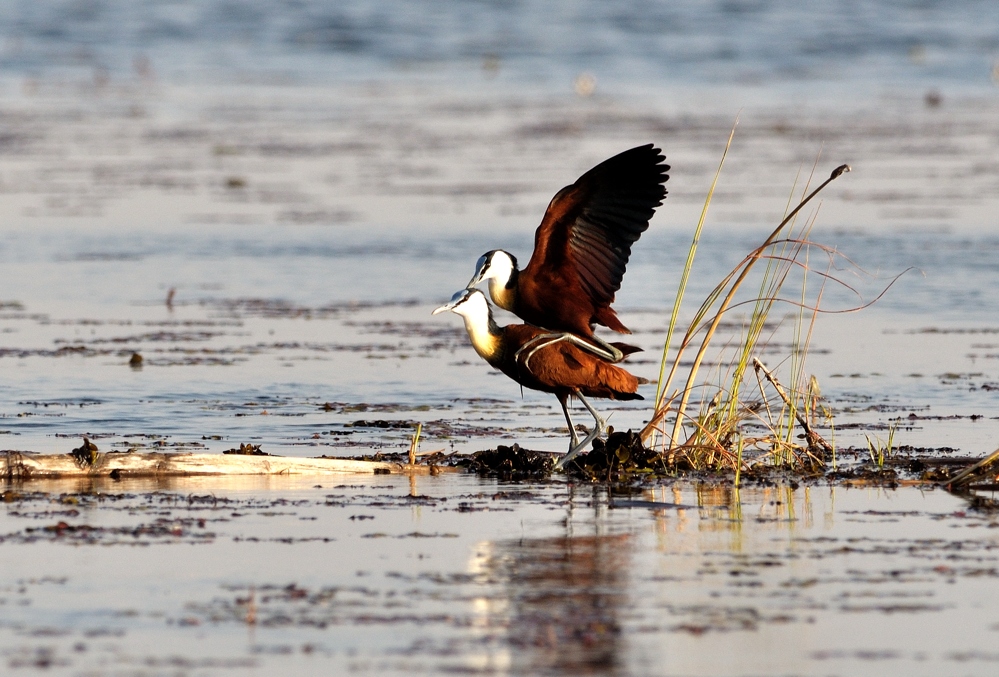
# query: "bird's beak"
[[458, 297], [480, 269]]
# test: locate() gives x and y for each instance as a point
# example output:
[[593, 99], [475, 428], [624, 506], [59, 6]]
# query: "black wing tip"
[[656, 159], [650, 150], [648, 156]]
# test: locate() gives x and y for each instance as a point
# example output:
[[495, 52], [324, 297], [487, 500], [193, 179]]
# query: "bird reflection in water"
[[561, 599]]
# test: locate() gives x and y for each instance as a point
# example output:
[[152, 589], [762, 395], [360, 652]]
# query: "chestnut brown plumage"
[[551, 362], [581, 248]]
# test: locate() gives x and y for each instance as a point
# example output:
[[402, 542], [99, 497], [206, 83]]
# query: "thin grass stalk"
[[787, 260], [791, 403], [758, 318], [688, 265], [738, 462], [872, 450], [813, 395], [963, 476], [778, 268], [763, 396], [721, 410], [832, 443], [696, 323], [753, 332], [746, 266], [415, 444], [781, 255], [799, 348], [811, 390]]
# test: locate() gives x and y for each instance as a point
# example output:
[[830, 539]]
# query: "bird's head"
[[495, 265], [469, 303]]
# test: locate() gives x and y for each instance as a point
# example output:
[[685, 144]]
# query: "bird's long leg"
[[600, 349], [598, 427], [573, 437]]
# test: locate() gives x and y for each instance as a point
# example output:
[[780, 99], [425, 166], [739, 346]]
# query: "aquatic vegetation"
[[717, 436], [879, 450]]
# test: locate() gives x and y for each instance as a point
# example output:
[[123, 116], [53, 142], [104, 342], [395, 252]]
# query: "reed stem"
[[746, 266]]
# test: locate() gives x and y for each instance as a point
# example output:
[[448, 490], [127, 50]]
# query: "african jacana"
[[542, 360], [581, 249]]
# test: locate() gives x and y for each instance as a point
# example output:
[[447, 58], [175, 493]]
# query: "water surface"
[[265, 202], [388, 575]]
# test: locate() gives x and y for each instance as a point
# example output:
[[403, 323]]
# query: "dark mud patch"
[[622, 462], [64, 351], [384, 407], [512, 463], [154, 337]]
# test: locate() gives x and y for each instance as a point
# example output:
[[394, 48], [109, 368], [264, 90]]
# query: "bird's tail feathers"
[[626, 348]]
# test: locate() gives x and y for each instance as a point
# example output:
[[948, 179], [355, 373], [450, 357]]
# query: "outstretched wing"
[[585, 238]]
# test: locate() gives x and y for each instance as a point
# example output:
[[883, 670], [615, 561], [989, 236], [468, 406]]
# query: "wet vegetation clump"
[[247, 450], [620, 456], [510, 463], [85, 454], [399, 457]]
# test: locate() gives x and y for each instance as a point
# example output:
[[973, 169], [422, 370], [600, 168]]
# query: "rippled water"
[[265, 201], [457, 574], [307, 233]]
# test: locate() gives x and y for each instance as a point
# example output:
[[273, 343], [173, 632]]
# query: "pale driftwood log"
[[21, 466]]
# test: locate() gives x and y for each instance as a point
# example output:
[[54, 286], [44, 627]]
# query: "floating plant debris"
[[247, 450]]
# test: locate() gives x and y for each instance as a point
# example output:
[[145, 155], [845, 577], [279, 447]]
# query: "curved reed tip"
[[842, 169]]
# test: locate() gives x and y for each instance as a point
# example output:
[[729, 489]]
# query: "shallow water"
[[314, 337], [387, 575], [306, 245], [267, 215]]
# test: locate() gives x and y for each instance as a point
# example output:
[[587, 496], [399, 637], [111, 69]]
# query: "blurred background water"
[[851, 46]]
